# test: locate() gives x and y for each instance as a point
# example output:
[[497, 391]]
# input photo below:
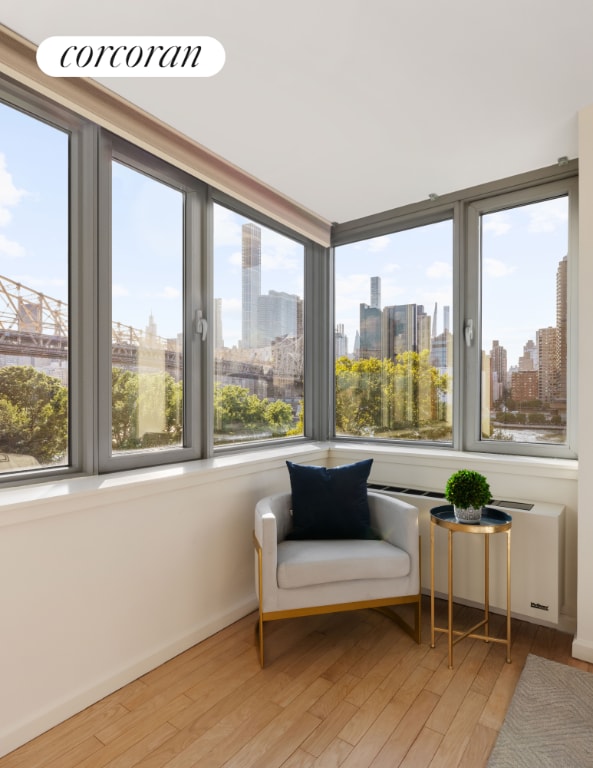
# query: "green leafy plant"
[[467, 488]]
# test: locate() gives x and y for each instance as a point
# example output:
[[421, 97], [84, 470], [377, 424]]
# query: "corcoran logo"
[[139, 56]]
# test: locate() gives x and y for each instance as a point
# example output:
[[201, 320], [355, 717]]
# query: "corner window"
[[393, 340], [258, 331]]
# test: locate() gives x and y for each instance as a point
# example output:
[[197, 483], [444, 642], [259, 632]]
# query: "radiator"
[[537, 557]]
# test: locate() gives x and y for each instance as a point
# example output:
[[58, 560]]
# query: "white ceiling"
[[351, 107]]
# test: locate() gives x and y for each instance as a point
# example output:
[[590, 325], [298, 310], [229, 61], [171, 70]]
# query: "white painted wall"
[[104, 578], [583, 643]]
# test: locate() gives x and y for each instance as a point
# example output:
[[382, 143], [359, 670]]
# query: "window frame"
[[112, 148], [81, 367], [461, 207], [91, 148], [389, 223], [314, 279], [472, 440]]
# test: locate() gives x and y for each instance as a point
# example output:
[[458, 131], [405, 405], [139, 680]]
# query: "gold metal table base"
[[500, 523]]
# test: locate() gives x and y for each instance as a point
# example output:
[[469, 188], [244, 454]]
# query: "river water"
[[534, 435]]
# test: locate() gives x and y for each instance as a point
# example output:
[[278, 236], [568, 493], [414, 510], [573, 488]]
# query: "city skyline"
[[34, 247]]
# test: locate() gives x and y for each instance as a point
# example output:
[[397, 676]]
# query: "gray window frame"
[[81, 304], [317, 415], [463, 208], [111, 149], [472, 310]]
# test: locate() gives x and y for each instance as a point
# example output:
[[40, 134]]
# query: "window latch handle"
[[469, 332], [200, 324]]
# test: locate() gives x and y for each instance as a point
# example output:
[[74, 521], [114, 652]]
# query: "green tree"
[[236, 410], [33, 414], [131, 393], [382, 395], [279, 417], [124, 409]]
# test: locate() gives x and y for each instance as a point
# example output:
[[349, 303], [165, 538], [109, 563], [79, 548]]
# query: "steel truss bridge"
[[33, 324]]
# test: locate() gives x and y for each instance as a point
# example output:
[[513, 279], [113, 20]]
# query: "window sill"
[[32, 502]]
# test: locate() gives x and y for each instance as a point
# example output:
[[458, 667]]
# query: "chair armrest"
[[271, 524], [396, 521]]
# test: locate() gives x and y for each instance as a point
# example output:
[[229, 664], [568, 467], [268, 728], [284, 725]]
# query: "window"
[[147, 312], [146, 318], [150, 292], [523, 242], [34, 293], [393, 340], [258, 331]]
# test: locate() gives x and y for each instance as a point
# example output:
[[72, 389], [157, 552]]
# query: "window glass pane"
[[147, 312], [34, 243], [524, 322], [393, 335], [259, 340]]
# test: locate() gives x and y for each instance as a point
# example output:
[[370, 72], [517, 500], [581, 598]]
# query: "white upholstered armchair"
[[304, 577]]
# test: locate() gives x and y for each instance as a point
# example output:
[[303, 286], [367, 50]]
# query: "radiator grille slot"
[[439, 495]]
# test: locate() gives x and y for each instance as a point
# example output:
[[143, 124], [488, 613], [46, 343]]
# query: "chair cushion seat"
[[306, 563]]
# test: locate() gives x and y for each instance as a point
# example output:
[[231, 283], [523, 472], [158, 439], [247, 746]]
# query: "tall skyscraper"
[[340, 342], [370, 332], [498, 371], [547, 353], [561, 325], [251, 284], [528, 360], [277, 316], [400, 329], [376, 292]]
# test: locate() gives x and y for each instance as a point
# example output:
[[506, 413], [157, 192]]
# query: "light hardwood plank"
[[338, 691]]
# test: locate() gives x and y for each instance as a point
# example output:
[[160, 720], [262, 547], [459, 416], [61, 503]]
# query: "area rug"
[[550, 719]]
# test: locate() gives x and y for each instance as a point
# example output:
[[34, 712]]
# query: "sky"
[[521, 249]]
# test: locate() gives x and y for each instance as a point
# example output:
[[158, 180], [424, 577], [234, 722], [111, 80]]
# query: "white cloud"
[[119, 290], [498, 223], [10, 248], [169, 292], [548, 216], [378, 244], [438, 270], [226, 227], [9, 197], [497, 268], [9, 194]]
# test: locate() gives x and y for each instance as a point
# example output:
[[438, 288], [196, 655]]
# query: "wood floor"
[[349, 690]]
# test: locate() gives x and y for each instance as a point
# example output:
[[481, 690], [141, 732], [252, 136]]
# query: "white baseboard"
[[582, 649], [41, 721]]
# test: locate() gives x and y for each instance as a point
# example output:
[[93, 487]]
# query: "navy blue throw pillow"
[[330, 503]]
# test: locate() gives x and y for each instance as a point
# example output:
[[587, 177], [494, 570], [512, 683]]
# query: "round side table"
[[492, 521]]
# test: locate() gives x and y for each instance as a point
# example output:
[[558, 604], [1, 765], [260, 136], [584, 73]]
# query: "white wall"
[[104, 578], [583, 643]]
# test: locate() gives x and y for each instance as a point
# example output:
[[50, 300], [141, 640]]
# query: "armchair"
[[301, 578]]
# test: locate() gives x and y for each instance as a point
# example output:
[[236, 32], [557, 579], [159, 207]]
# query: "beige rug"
[[550, 719]]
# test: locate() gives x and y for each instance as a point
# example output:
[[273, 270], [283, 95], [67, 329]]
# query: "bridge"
[[33, 324]]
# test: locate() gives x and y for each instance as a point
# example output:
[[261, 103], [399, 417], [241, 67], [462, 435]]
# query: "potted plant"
[[468, 491]]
